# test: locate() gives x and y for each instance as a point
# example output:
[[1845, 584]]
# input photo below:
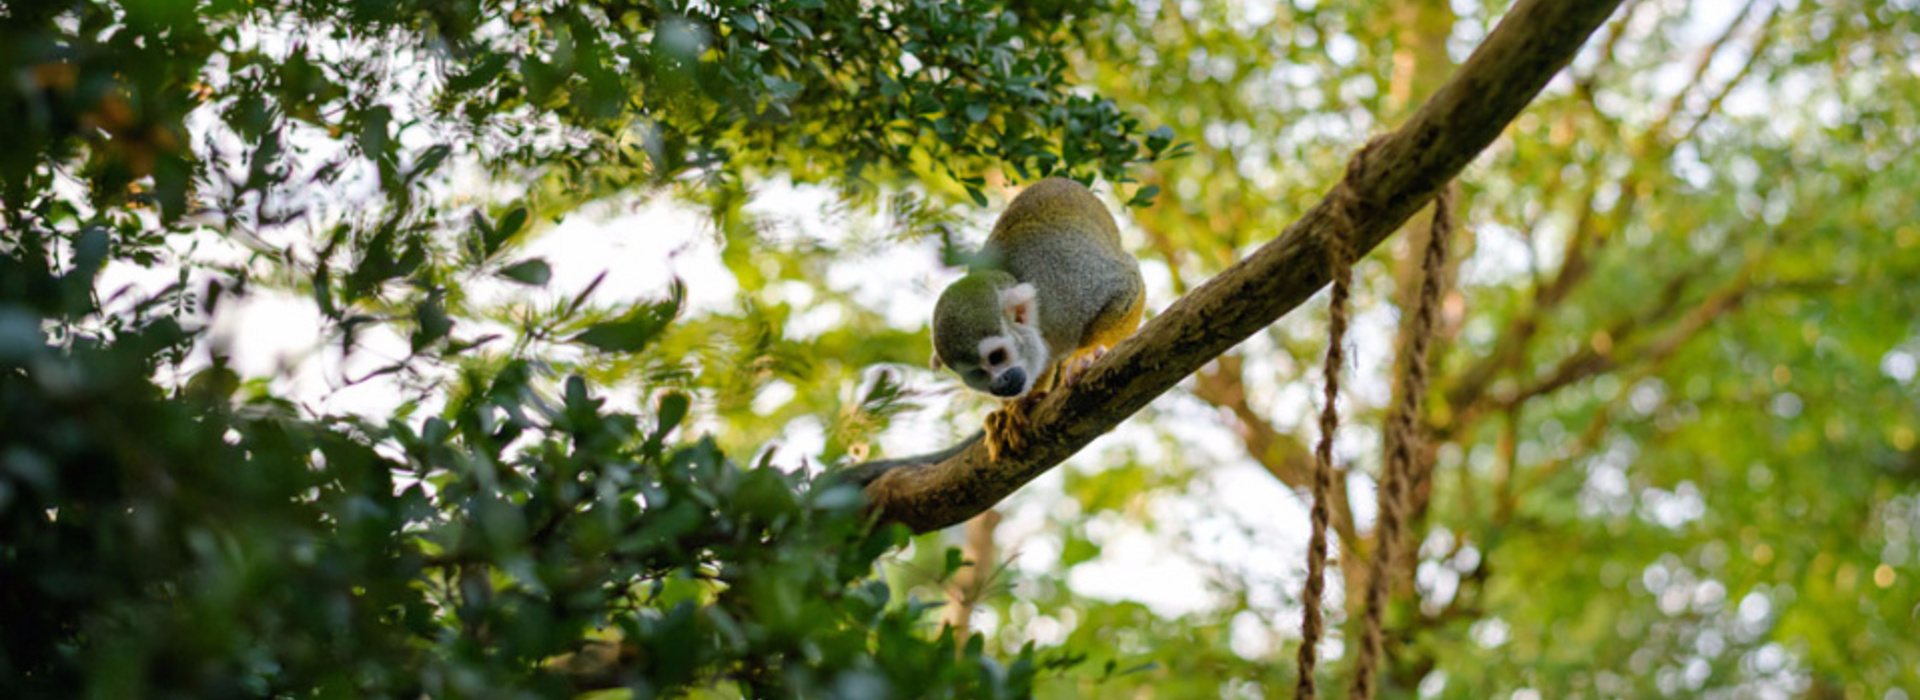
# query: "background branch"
[[1283, 455]]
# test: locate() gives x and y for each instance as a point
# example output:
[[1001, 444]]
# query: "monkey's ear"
[[933, 360], [1021, 303]]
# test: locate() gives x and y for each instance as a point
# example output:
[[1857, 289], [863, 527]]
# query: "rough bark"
[[1396, 175]]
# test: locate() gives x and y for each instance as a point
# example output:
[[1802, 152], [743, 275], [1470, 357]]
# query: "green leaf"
[[1159, 139], [1144, 197], [638, 328], [580, 299], [533, 272], [1077, 550], [432, 322], [429, 160], [626, 335], [672, 409], [509, 225]]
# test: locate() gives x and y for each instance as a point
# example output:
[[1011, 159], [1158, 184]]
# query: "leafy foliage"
[[173, 545], [170, 528]]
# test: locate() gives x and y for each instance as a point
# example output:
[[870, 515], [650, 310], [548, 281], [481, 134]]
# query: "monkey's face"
[[988, 330], [1008, 363]]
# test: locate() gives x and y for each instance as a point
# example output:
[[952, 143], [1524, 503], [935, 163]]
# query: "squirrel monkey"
[[1051, 290]]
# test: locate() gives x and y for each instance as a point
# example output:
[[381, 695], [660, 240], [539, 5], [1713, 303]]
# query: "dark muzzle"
[[1010, 383]]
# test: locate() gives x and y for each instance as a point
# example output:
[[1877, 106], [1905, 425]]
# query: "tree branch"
[[1391, 179], [1591, 361]]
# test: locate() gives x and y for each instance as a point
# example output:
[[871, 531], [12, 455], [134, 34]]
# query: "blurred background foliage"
[[172, 528], [1673, 421]]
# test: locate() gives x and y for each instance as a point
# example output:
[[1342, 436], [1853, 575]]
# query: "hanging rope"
[[1340, 261], [1402, 439]]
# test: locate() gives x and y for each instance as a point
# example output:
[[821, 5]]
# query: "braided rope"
[[1340, 261], [1402, 437]]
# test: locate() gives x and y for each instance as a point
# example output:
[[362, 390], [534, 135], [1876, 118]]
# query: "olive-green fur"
[[1060, 238], [967, 311]]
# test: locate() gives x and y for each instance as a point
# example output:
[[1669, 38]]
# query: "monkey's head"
[[986, 327]]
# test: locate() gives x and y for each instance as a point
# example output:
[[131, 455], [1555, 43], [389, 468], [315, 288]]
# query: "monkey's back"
[[1060, 238]]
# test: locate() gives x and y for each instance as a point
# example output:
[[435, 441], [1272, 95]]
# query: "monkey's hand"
[[1007, 428], [1080, 363]]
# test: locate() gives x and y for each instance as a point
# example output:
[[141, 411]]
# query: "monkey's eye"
[[997, 357]]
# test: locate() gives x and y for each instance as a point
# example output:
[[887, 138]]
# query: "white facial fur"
[[1019, 348], [997, 347], [1021, 343], [1021, 304]]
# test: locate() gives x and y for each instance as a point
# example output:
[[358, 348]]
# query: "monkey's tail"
[[866, 473]]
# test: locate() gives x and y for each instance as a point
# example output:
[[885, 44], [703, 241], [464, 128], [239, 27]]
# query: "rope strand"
[[1340, 262], [1402, 437]]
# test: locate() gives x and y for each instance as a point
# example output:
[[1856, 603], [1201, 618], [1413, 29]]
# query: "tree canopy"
[[1671, 426]]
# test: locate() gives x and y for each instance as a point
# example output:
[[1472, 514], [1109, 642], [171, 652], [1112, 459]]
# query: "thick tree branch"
[[1394, 177]]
